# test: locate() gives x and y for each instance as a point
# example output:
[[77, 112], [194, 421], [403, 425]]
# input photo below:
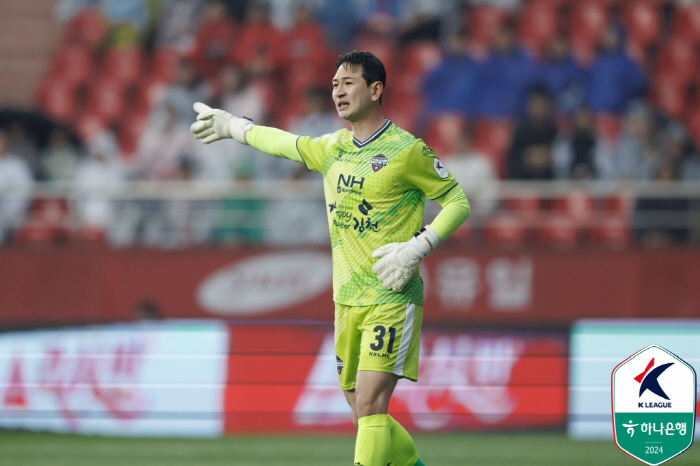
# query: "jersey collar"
[[373, 137]]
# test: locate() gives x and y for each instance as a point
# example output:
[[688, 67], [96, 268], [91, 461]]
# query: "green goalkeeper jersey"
[[375, 194]]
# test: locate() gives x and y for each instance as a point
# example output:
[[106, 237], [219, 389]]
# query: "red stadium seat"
[[559, 231], [526, 205], [402, 113], [686, 22], [619, 204], [492, 138], [123, 64], [538, 24], [577, 205], [483, 22], [693, 124], [72, 63], [643, 21], [106, 100], [679, 57], [130, 132], [46, 225], [505, 231], [88, 125], [420, 57], [607, 126], [670, 94], [89, 28], [57, 99], [443, 132], [164, 63], [588, 20], [612, 231]]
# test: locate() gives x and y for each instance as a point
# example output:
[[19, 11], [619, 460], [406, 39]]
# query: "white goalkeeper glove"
[[213, 124], [399, 260]]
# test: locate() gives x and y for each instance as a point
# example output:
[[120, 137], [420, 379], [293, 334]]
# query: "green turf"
[[521, 449]]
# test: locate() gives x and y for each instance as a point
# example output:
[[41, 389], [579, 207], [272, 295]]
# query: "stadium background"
[[153, 287]]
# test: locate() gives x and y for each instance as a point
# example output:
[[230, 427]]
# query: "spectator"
[[15, 188], [259, 48], [422, 20], [638, 152], [161, 145], [214, 39], [509, 73], [340, 20], [60, 158], [238, 96], [574, 152], [304, 41], [453, 86], [23, 145], [96, 178], [562, 76], [179, 21], [530, 154], [614, 79], [476, 172], [679, 151], [128, 18], [184, 92]]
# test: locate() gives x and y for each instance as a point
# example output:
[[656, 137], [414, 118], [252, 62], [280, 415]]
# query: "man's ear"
[[377, 89]]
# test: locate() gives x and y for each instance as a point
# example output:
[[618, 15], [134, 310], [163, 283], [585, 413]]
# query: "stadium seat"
[[692, 121], [607, 126], [150, 92], [47, 224], [57, 98], [559, 231], [402, 113], [492, 138], [619, 204], [611, 231], [482, 22], [72, 63], [679, 57], [588, 20], [505, 231], [443, 132], [686, 22], [89, 28], [106, 100], [537, 25], [123, 64], [577, 205], [643, 21], [129, 133], [526, 205], [164, 63], [420, 57], [670, 94], [88, 125]]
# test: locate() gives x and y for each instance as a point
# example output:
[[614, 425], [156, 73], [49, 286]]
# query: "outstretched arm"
[[213, 124]]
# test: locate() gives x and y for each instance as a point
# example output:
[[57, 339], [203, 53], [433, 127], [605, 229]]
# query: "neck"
[[363, 129]]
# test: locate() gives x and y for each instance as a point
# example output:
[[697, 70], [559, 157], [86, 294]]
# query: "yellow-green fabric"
[[375, 194], [373, 441], [403, 449], [455, 210], [380, 338]]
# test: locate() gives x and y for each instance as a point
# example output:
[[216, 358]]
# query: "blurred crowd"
[[502, 89]]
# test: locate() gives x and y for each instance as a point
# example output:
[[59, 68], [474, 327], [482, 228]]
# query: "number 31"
[[380, 333]]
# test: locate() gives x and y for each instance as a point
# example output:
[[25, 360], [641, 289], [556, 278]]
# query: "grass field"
[[521, 449]]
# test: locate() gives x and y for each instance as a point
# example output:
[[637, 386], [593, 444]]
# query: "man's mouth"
[[342, 105]]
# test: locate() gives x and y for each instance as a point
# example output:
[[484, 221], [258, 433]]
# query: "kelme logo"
[[653, 405]]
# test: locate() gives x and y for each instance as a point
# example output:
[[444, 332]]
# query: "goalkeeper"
[[376, 178]]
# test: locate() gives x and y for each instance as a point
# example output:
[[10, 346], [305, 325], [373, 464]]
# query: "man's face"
[[352, 96]]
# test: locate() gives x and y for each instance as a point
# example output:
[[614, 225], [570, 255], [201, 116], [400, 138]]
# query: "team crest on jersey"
[[378, 162], [428, 151], [339, 364]]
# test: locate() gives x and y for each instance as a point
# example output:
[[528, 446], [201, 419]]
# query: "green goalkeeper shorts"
[[382, 338]]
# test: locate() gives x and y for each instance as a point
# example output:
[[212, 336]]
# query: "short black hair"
[[372, 68]]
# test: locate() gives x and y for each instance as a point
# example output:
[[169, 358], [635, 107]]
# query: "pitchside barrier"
[[206, 378]]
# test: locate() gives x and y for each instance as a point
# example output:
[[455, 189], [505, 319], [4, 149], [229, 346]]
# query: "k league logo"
[[653, 405]]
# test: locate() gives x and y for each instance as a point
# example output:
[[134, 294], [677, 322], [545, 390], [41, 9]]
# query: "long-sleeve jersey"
[[375, 194]]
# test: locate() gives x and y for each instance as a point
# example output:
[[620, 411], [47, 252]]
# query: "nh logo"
[[350, 181]]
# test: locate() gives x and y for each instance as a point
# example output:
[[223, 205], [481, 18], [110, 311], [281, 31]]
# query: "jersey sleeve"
[[426, 172], [313, 150]]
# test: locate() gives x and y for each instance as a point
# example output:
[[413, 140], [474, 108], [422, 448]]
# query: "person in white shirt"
[[15, 188]]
